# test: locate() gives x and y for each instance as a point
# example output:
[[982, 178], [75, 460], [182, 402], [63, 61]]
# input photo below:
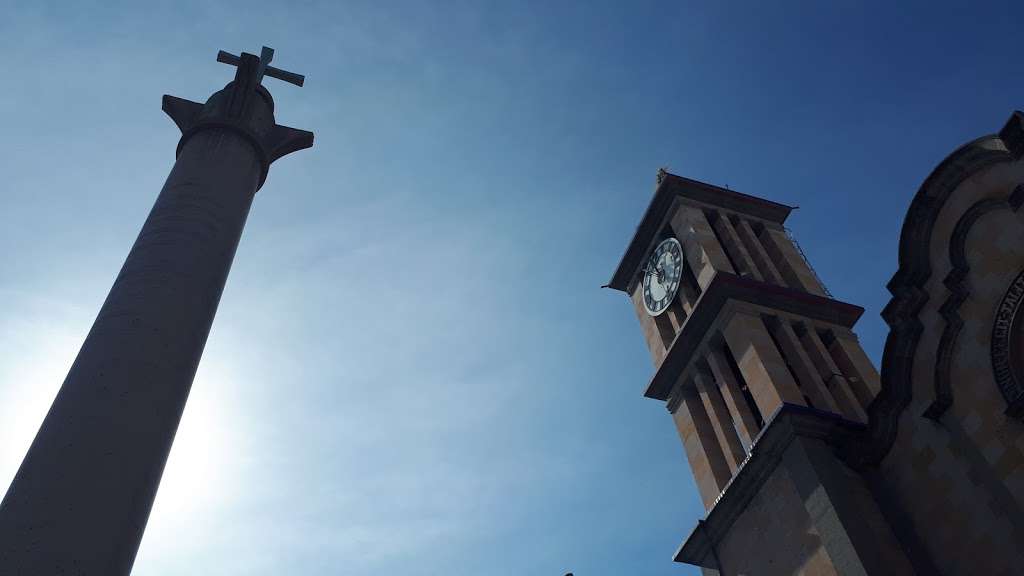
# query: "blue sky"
[[413, 369]]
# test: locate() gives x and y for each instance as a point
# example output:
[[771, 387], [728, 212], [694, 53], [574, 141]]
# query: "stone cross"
[[81, 498], [266, 55]]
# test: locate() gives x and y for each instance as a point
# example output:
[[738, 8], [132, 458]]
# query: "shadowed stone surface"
[[81, 499]]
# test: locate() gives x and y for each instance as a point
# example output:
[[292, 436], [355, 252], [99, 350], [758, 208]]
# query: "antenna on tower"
[[662, 172]]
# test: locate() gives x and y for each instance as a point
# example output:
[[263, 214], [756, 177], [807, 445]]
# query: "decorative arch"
[[907, 285], [956, 282]]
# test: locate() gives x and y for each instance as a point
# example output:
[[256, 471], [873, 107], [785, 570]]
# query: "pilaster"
[[762, 259], [791, 264], [746, 424], [808, 379], [720, 419], [741, 258], [833, 377], [703, 450], [703, 253], [760, 363], [855, 364]]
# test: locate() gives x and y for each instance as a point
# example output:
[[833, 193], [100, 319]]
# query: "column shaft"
[[702, 250], [707, 462], [760, 363], [810, 382], [859, 370], [832, 375], [761, 258], [790, 263], [735, 248], [81, 498], [721, 420], [743, 416]]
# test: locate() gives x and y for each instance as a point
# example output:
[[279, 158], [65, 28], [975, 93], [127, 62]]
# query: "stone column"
[[790, 263], [760, 363], [810, 382], [832, 375], [761, 258], [688, 292], [81, 498], [676, 314], [743, 416], [859, 370], [703, 451], [701, 248], [735, 248], [721, 420]]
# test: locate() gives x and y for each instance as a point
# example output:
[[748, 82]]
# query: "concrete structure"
[[808, 461], [80, 501]]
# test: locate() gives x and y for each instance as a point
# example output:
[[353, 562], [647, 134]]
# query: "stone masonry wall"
[[959, 481]]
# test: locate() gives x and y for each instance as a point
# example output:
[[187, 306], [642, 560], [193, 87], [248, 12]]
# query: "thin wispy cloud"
[[413, 369]]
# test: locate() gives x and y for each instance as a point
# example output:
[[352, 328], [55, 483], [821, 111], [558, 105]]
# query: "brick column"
[[734, 246], [760, 363], [677, 314], [707, 462], [702, 251], [832, 375], [721, 420], [688, 293], [743, 416], [859, 370], [757, 252], [789, 262], [649, 328], [810, 382]]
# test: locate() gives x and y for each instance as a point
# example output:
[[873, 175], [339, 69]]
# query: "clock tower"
[[765, 381]]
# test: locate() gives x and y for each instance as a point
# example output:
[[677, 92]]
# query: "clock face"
[[661, 276]]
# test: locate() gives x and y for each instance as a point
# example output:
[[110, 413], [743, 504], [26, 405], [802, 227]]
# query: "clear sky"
[[413, 369]]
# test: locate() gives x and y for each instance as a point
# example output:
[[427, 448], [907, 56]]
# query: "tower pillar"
[[765, 382], [761, 363]]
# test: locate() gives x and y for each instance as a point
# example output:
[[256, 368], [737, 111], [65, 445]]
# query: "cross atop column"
[[245, 107], [81, 499], [266, 55]]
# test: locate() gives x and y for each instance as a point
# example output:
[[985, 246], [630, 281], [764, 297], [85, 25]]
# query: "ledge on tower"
[[671, 188]]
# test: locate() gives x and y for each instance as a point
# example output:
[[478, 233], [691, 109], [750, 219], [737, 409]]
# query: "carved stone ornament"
[[959, 289], [1008, 347], [908, 287]]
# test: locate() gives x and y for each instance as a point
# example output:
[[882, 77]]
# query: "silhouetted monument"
[[80, 501]]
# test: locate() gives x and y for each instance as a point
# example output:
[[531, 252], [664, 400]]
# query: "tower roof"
[[672, 187]]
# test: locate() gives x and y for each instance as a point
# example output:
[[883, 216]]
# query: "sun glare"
[[196, 483], [35, 359]]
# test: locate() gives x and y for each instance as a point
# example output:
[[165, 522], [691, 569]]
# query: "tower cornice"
[[712, 308], [672, 188]]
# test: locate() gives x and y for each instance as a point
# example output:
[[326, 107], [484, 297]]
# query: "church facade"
[[807, 458]]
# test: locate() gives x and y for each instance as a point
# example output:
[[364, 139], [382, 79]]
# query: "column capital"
[[244, 107]]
